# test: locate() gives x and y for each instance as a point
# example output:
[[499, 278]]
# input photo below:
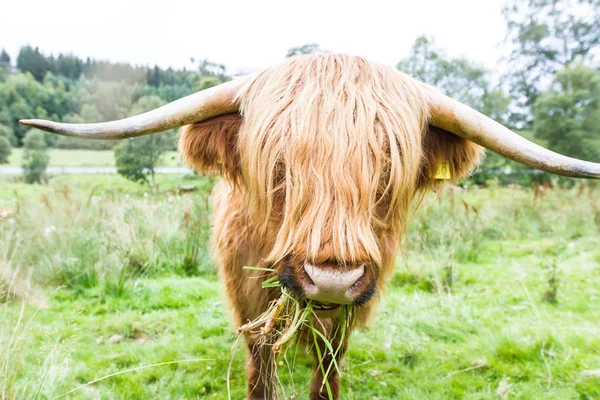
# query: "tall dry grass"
[[83, 241]]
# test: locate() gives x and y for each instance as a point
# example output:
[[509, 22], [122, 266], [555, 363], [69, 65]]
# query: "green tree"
[[210, 68], [153, 78], [138, 157], [113, 100], [567, 116], [205, 82], [5, 150], [466, 82], [309, 48], [546, 36], [35, 156], [169, 92], [208, 74], [21, 97], [68, 66], [31, 60], [8, 134], [67, 88], [87, 114], [4, 58], [6, 142], [458, 78], [4, 65]]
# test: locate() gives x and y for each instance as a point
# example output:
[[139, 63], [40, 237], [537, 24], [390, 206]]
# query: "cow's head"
[[329, 152]]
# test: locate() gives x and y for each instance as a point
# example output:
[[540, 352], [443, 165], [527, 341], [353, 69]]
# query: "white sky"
[[248, 35]]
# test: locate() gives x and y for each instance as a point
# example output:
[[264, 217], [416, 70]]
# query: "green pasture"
[[496, 295], [89, 158]]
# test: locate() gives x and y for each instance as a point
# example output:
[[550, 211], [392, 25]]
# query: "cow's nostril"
[[289, 281], [332, 285]]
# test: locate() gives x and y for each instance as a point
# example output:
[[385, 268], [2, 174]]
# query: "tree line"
[[550, 92], [67, 88]]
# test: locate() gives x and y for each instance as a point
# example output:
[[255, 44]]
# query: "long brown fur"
[[210, 146], [324, 163]]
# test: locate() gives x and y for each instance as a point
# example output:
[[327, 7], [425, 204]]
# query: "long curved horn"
[[196, 107], [463, 121]]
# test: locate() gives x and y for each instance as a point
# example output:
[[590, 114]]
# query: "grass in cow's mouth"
[[280, 325]]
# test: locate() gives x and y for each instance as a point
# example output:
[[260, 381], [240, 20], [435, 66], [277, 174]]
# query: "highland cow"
[[322, 158]]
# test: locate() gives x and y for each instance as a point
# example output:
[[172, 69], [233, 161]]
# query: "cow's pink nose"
[[332, 284]]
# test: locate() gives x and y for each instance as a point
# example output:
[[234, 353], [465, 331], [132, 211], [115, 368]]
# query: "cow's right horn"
[[196, 107], [463, 121]]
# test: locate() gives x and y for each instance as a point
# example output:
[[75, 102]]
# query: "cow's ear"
[[211, 146], [447, 157]]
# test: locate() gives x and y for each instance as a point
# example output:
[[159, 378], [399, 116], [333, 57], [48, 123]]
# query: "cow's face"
[[329, 153]]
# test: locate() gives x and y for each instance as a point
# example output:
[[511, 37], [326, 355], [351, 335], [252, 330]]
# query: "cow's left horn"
[[196, 107], [465, 122]]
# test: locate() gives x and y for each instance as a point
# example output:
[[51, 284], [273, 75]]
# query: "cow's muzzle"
[[329, 285]]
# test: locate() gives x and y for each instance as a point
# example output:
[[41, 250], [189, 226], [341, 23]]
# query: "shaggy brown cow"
[[321, 159]]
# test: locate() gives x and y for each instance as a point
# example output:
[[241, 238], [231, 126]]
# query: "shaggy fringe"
[[331, 151], [331, 148]]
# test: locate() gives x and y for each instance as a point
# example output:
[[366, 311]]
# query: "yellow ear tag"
[[219, 161], [443, 171]]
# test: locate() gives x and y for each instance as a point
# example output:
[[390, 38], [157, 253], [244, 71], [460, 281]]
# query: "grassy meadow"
[[89, 158], [496, 295]]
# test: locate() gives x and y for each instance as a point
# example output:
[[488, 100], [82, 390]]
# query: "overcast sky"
[[248, 35]]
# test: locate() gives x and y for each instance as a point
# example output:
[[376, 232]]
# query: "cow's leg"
[[236, 246], [318, 388], [261, 372]]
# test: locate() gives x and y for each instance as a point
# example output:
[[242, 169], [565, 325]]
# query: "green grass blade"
[[271, 282], [131, 370], [320, 356]]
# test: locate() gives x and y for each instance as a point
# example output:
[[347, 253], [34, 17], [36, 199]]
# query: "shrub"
[[137, 158], [35, 156], [6, 132], [4, 150]]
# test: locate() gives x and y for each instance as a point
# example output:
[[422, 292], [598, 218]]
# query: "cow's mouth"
[[326, 310], [324, 306]]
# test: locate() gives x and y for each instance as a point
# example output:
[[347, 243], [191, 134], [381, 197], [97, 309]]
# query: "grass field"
[[89, 158], [496, 295]]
